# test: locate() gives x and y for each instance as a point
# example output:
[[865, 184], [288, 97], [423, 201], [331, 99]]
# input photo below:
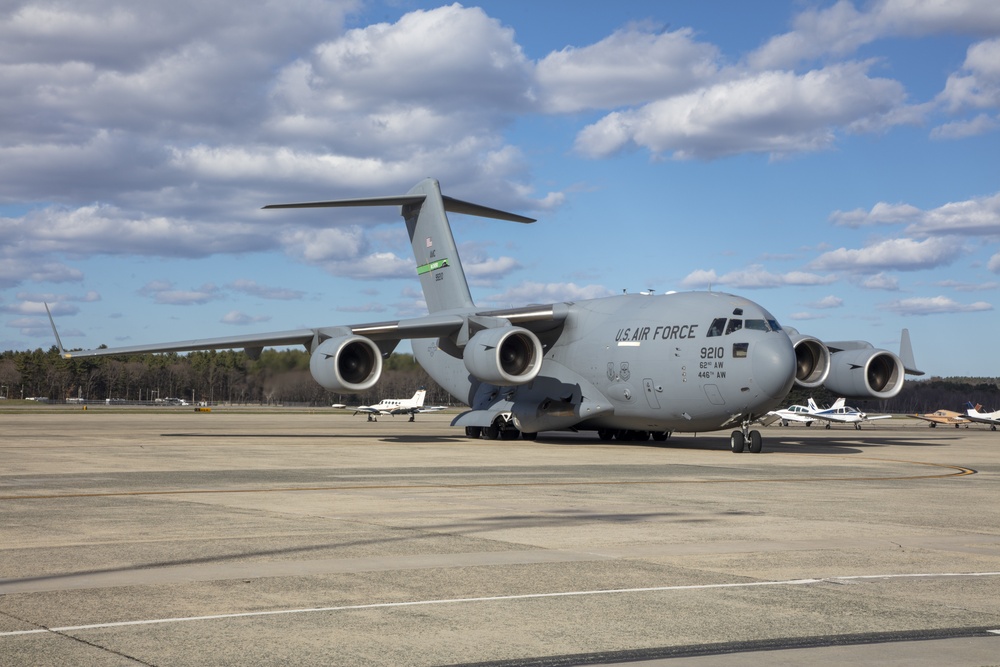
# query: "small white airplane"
[[991, 418], [842, 414], [394, 406], [793, 413]]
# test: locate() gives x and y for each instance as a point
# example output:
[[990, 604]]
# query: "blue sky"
[[835, 162]]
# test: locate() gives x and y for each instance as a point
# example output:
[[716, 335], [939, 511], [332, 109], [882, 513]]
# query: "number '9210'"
[[712, 353]]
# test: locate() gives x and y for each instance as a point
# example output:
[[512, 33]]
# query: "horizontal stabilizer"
[[451, 205]]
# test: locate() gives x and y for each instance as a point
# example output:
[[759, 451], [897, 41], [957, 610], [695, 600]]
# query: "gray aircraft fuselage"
[[688, 361]]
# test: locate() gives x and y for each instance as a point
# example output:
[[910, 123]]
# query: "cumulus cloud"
[[535, 292], [979, 216], [633, 65], [252, 288], [937, 305], [241, 319], [880, 214], [839, 30], [827, 302], [753, 277], [164, 292], [893, 254], [774, 112], [977, 85], [881, 281]]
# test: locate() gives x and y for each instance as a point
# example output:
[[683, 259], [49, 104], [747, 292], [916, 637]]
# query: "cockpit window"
[[774, 325], [718, 325], [734, 325], [757, 325]]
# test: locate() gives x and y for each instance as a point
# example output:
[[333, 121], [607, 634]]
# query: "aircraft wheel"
[[638, 436], [474, 432], [932, 425], [857, 426], [737, 442], [509, 433], [606, 434], [756, 442], [828, 425], [993, 427], [808, 424], [529, 436], [491, 432], [660, 436]]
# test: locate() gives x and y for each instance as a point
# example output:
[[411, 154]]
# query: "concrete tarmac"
[[274, 537]]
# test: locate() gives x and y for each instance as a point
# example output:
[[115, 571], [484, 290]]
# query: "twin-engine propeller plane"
[[627, 366], [393, 406]]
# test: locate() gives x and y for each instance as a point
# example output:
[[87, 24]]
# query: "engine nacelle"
[[348, 364], [812, 361], [504, 356], [865, 373]]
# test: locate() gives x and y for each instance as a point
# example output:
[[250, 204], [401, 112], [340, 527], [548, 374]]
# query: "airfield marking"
[[496, 598], [959, 471]]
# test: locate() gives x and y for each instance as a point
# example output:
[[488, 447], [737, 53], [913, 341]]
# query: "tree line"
[[215, 377], [282, 377]]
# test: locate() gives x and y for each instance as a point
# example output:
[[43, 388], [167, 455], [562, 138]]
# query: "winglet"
[[906, 354], [62, 351]]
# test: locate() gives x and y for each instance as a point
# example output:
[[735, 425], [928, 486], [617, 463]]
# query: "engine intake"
[[865, 373], [812, 361], [504, 356], [348, 364]]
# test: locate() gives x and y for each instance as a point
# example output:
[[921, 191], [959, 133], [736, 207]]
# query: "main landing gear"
[[746, 439]]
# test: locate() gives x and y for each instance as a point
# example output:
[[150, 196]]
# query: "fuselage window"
[[734, 325], [718, 326]]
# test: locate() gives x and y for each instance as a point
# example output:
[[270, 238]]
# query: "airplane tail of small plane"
[[425, 209], [418, 398]]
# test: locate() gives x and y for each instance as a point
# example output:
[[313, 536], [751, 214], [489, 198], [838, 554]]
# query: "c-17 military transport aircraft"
[[628, 367]]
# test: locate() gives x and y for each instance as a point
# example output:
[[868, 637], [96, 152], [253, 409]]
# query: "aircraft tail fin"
[[418, 398], [906, 354], [438, 264], [812, 405], [62, 351]]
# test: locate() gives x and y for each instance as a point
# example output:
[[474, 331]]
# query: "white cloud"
[[973, 217], [977, 86], [937, 305], [253, 289], [633, 65], [163, 292], [828, 302], [880, 214], [839, 30], [753, 277], [963, 129], [771, 112], [535, 292], [892, 254], [881, 281], [238, 318]]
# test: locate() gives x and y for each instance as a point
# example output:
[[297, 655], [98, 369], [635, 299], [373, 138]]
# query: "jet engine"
[[865, 373], [348, 364], [504, 356], [812, 361]]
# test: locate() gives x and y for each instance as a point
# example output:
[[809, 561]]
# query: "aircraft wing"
[[386, 334], [431, 326]]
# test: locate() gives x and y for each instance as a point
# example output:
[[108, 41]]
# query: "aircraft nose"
[[774, 365]]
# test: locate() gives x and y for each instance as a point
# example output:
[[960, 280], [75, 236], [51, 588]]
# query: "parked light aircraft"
[[626, 366], [942, 417], [991, 418], [793, 413], [842, 414], [393, 406]]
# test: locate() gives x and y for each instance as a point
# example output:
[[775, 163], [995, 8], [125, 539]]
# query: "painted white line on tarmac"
[[494, 598]]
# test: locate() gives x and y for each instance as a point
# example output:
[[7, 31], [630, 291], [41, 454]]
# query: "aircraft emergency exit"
[[629, 366]]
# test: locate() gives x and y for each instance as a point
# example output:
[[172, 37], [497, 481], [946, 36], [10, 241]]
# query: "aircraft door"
[[650, 390]]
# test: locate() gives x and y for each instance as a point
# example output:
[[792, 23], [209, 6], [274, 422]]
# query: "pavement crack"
[[79, 640]]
